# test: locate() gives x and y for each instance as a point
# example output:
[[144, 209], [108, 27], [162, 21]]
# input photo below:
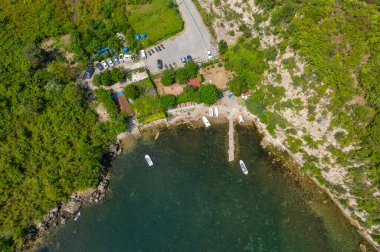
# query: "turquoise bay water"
[[194, 200]]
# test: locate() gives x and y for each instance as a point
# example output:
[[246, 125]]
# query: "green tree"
[[209, 94], [168, 77], [167, 101], [222, 46], [132, 91], [189, 93]]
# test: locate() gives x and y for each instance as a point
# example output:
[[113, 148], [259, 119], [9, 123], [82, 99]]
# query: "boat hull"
[[243, 167], [211, 112], [148, 160], [206, 122]]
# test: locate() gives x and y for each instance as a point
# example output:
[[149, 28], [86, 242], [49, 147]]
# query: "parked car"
[[121, 58], [183, 60], [159, 64], [152, 50], [166, 66], [163, 47], [150, 54], [143, 54], [170, 66], [110, 62], [189, 58], [99, 66], [209, 55], [89, 72], [159, 48], [116, 60], [104, 64], [127, 57], [156, 49]]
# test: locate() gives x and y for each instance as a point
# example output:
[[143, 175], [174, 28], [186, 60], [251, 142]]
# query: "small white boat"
[[206, 122], [77, 216], [216, 112], [243, 167], [148, 160], [211, 112], [240, 118]]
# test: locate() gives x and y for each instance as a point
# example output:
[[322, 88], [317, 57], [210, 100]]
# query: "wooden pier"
[[231, 143]]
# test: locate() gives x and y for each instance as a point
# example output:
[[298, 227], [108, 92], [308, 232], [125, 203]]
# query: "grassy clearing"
[[159, 20]]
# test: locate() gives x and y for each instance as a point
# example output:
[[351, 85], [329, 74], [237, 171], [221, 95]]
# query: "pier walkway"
[[231, 143]]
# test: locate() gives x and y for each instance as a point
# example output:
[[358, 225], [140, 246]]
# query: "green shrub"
[[167, 101], [132, 91], [168, 77], [222, 46]]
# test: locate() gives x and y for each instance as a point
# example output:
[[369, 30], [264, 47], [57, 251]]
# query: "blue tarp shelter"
[[143, 35], [126, 49], [103, 50], [138, 37]]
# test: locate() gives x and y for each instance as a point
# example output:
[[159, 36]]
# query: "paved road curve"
[[194, 40]]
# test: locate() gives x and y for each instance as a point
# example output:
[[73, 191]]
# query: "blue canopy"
[[143, 35], [118, 94], [126, 49], [138, 37], [103, 50]]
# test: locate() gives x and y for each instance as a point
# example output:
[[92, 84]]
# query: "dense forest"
[[51, 141], [340, 43]]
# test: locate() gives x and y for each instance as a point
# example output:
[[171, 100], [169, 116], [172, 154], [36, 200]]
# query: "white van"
[[143, 54]]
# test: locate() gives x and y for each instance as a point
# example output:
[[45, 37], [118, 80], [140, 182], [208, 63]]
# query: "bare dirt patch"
[[174, 89], [216, 75], [102, 113]]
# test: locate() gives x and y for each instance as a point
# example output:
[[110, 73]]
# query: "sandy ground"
[[216, 75]]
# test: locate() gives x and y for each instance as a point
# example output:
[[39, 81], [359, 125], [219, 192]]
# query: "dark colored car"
[[156, 49], [150, 54], [152, 50], [189, 58], [100, 67], [89, 72], [159, 64], [170, 66], [163, 47]]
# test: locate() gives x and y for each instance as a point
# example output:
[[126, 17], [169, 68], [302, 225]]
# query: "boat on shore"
[[243, 167], [211, 112], [216, 111], [206, 122], [148, 160], [240, 118]]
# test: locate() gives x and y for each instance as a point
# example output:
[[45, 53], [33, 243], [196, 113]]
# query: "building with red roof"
[[194, 82], [124, 105]]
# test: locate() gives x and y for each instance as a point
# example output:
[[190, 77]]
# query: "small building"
[[124, 105], [245, 95], [194, 82]]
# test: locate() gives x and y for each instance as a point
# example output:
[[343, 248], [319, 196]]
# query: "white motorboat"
[[216, 111], [243, 167], [206, 122], [211, 112], [148, 160], [77, 216]]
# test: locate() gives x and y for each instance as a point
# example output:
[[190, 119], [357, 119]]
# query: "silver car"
[[110, 62], [104, 64]]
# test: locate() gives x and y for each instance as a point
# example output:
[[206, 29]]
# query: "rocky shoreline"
[[70, 210]]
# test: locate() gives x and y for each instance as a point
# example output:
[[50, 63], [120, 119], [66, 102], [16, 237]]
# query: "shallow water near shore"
[[193, 199]]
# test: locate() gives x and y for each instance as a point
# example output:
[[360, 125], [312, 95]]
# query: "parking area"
[[194, 40]]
